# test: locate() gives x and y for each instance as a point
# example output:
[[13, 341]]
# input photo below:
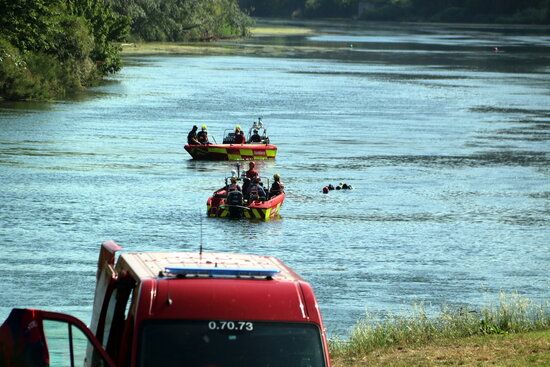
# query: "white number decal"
[[231, 325]]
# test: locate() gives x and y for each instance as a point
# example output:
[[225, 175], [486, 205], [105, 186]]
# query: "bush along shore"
[[51, 48], [515, 332]]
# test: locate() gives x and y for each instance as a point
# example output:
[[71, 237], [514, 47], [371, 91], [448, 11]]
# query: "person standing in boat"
[[251, 173], [239, 136], [277, 187], [192, 136], [202, 136], [249, 176]]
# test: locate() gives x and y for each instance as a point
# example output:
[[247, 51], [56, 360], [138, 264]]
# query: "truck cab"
[[199, 309]]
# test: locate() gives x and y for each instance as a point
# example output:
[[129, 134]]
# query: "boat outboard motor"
[[235, 204]]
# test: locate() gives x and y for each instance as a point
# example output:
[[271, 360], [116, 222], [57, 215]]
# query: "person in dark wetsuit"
[[202, 136], [192, 136], [255, 138]]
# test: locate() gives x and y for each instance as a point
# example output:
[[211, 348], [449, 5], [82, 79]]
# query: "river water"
[[444, 139]]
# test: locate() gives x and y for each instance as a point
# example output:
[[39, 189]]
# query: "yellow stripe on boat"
[[218, 150], [270, 152], [234, 157], [267, 213], [246, 152]]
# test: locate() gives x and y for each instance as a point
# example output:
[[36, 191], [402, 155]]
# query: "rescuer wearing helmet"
[[202, 136], [233, 186], [239, 135], [251, 173], [249, 176], [277, 187]]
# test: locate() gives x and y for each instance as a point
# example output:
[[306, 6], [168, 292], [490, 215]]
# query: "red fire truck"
[[178, 309]]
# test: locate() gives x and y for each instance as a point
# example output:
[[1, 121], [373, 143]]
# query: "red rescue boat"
[[227, 203], [255, 147]]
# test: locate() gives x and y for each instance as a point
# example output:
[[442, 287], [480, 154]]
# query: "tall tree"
[[180, 20]]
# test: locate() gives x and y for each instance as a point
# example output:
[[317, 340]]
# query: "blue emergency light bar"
[[228, 272]]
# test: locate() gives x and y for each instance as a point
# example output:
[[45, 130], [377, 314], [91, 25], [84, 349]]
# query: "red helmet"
[[252, 164]]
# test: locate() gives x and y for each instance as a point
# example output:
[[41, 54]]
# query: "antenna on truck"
[[200, 245]]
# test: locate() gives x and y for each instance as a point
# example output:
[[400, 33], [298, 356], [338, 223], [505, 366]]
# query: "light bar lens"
[[222, 271]]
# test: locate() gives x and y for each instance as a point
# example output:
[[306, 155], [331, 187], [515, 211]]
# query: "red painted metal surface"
[[138, 290]]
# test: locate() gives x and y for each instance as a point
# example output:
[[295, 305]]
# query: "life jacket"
[[233, 187], [254, 193]]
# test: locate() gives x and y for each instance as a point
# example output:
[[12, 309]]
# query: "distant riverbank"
[[219, 48]]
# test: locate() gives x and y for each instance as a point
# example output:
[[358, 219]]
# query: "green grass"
[[512, 316]]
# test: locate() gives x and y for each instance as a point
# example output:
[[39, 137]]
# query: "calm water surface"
[[445, 141]]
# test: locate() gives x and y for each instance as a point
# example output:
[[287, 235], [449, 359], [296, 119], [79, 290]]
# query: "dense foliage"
[[502, 11], [51, 47], [184, 20]]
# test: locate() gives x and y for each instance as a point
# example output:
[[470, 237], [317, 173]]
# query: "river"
[[443, 131]]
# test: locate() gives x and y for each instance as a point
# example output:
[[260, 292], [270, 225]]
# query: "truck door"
[[35, 338]]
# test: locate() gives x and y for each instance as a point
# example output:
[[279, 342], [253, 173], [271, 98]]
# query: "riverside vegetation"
[[516, 332], [52, 48], [479, 11]]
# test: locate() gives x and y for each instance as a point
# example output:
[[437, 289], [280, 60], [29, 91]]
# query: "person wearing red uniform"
[[239, 136], [251, 173]]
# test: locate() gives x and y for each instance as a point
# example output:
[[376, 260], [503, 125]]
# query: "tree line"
[[184, 20], [488, 11], [49, 48], [52, 48]]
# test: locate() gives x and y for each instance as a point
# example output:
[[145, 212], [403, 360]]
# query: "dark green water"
[[445, 141]]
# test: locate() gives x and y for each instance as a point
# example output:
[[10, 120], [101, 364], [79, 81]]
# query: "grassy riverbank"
[[522, 349], [218, 48], [516, 332]]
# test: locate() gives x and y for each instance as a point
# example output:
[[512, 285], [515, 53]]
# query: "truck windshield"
[[217, 343]]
